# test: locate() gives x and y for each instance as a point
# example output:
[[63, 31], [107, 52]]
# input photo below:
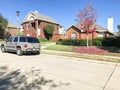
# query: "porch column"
[[30, 29], [36, 30]]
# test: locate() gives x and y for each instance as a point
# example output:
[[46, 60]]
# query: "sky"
[[63, 11]]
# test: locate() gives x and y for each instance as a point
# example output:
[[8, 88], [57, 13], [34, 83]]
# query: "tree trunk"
[[87, 39]]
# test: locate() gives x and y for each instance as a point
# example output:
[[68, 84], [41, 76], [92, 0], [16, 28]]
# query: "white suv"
[[21, 45]]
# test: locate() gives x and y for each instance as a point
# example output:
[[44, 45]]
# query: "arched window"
[[73, 35]]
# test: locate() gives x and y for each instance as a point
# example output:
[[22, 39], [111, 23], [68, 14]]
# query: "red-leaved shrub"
[[89, 50]]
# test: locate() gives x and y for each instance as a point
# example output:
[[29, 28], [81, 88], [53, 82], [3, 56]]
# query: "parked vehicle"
[[21, 45]]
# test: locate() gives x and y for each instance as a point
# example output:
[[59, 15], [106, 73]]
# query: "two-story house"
[[34, 24]]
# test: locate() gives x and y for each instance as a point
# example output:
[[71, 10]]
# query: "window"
[[22, 39], [16, 39], [73, 36], [10, 39], [32, 40]]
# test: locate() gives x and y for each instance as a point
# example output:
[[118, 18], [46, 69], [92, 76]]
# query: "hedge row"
[[109, 41], [74, 42]]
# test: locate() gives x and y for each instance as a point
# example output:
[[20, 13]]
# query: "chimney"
[[110, 24]]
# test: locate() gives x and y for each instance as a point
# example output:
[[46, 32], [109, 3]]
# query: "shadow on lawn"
[[30, 80]]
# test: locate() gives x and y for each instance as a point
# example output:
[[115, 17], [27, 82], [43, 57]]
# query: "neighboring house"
[[12, 29], [34, 24], [76, 32]]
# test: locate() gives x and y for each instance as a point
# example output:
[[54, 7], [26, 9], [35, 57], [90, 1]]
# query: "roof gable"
[[76, 26], [100, 28], [35, 15]]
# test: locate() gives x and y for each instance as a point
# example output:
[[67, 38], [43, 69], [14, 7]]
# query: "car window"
[[32, 40], [22, 39], [15, 39], [10, 39]]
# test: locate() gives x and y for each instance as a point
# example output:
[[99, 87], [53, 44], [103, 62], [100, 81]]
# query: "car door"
[[14, 43], [9, 43]]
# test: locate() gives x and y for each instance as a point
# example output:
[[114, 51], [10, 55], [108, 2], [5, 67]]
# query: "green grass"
[[84, 56], [60, 48], [45, 43], [113, 51], [105, 57]]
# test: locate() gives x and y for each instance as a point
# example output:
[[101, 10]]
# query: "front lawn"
[[60, 48], [114, 51], [95, 53]]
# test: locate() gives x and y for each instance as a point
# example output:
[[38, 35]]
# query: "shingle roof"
[[99, 28], [40, 17]]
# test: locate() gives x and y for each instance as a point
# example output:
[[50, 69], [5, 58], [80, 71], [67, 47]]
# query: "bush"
[[98, 41], [111, 41], [107, 41], [89, 50], [117, 41], [48, 30], [74, 42]]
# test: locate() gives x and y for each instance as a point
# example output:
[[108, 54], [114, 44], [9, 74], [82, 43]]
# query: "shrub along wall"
[[98, 41], [109, 41], [74, 42]]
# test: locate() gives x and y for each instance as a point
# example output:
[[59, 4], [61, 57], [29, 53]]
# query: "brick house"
[[34, 24], [12, 29], [75, 32]]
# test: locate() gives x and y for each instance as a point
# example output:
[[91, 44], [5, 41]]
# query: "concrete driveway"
[[49, 72]]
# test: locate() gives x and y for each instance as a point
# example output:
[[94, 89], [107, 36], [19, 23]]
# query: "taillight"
[[25, 46]]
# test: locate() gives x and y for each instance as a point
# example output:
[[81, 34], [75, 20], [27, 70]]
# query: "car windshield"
[[32, 40]]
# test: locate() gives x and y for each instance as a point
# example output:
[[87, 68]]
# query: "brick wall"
[[12, 31], [79, 34], [38, 24]]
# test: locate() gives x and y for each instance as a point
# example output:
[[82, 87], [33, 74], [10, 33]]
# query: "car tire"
[[3, 49], [19, 52]]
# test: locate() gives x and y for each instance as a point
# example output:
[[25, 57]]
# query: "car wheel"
[[3, 49], [19, 52]]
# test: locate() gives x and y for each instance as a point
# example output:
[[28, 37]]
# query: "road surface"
[[50, 72]]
